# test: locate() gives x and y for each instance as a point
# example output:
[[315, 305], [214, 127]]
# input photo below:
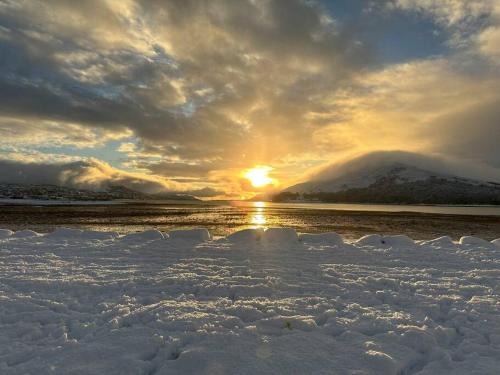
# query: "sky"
[[196, 96]]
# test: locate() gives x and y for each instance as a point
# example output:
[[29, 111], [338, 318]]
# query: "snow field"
[[256, 302]]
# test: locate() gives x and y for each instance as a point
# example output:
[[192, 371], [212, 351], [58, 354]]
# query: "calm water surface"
[[222, 218], [443, 209]]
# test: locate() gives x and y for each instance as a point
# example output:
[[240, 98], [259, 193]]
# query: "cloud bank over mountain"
[[89, 174], [379, 159]]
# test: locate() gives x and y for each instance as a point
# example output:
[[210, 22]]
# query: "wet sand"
[[224, 219]]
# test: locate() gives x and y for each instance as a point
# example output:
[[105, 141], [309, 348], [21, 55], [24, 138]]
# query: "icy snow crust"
[[257, 302]]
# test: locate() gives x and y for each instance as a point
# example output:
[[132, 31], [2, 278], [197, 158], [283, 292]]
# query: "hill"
[[394, 183]]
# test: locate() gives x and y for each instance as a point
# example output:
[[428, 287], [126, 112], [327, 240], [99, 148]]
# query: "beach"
[[351, 221]]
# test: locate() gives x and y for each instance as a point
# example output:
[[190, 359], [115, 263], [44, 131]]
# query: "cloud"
[[199, 90], [488, 39], [449, 12], [87, 174], [180, 169], [205, 192], [194, 78], [474, 24], [43, 133], [462, 18], [489, 42], [437, 106], [438, 164], [472, 132]]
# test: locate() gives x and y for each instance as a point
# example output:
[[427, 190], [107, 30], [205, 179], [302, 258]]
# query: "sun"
[[258, 176]]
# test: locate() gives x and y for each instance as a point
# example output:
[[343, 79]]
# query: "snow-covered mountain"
[[364, 177], [395, 182]]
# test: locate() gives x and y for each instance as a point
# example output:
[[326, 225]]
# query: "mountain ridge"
[[57, 192], [396, 182]]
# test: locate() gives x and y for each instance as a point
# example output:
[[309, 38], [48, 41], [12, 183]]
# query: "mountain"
[[394, 182], [55, 192]]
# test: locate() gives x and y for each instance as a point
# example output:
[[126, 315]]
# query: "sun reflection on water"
[[258, 219]]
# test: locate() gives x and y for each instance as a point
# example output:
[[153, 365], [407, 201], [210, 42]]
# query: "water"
[[222, 218], [443, 209]]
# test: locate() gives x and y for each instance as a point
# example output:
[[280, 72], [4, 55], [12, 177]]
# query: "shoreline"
[[337, 207]]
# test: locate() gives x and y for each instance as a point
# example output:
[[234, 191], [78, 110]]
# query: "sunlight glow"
[[258, 176], [259, 218]]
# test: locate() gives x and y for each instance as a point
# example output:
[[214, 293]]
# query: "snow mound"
[[441, 242], [5, 233], [399, 240], [196, 235], [148, 235], [25, 234], [246, 236], [64, 233], [98, 235], [70, 233], [475, 241], [370, 240], [280, 235], [329, 238]]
